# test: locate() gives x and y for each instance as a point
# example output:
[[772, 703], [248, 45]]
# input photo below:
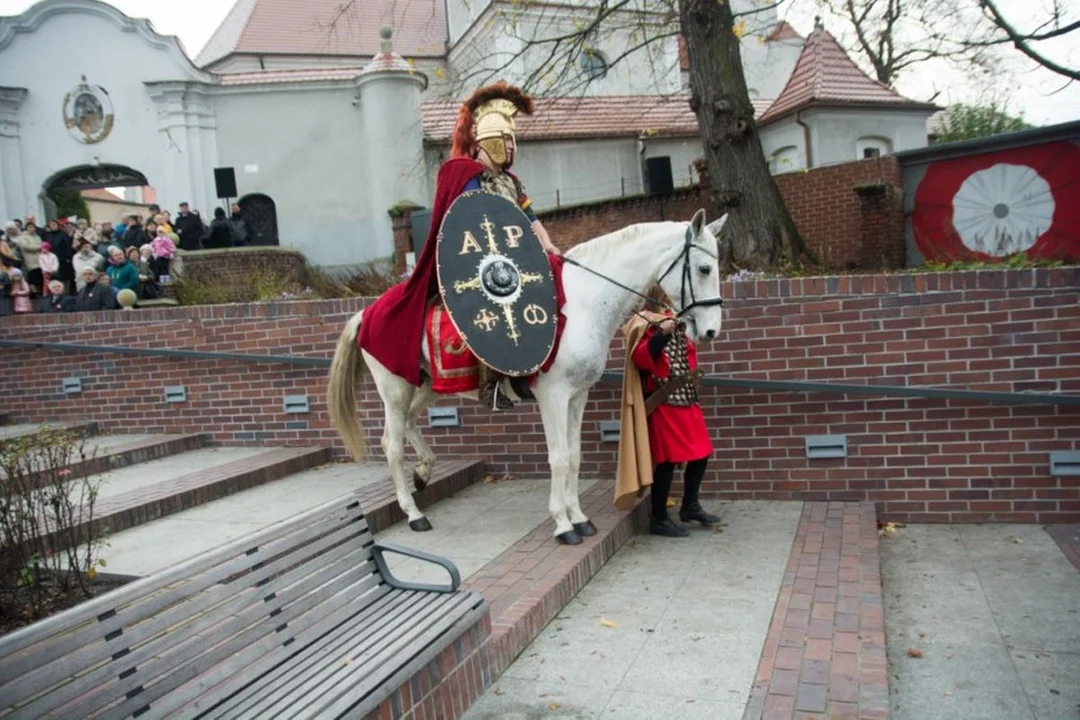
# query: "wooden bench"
[[300, 620]]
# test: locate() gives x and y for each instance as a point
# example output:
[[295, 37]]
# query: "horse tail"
[[348, 366]]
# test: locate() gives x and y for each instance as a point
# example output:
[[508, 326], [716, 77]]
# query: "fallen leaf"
[[554, 706], [498, 691], [914, 652], [608, 623], [719, 530], [886, 529], [1018, 541], [1054, 692], [347, 661], [948, 693], [671, 502]]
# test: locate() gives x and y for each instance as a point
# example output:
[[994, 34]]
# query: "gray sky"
[[194, 21]]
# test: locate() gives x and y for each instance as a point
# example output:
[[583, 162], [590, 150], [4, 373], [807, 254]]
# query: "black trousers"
[[663, 475]]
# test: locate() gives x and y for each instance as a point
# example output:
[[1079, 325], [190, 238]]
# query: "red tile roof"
[[303, 27], [783, 31], [825, 75], [570, 118], [101, 194]]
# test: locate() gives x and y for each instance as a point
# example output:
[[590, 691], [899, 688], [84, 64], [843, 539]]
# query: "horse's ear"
[[717, 225], [698, 222]]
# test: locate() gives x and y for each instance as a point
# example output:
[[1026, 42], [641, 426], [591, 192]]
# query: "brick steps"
[[125, 454], [126, 510]]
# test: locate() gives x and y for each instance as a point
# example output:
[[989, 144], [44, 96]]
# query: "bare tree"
[[894, 35], [554, 49], [1056, 26]]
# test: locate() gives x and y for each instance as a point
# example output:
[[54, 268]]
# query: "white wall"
[[495, 40], [834, 133], [312, 161], [37, 53]]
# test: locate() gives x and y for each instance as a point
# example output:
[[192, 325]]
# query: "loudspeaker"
[[225, 182], [658, 178]]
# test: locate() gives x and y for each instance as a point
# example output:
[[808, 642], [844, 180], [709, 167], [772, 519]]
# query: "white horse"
[[603, 280]]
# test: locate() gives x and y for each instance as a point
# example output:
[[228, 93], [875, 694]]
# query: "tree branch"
[[1021, 43]]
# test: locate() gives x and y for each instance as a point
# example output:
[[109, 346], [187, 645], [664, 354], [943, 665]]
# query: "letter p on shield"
[[513, 235]]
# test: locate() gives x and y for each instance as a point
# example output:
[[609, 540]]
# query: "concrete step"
[[11, 432], [137, 494], [161, 543]]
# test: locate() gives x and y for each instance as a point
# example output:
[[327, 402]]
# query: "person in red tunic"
[[482, 152], [677, 431]]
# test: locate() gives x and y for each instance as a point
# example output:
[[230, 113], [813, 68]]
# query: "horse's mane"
[[603, 246]]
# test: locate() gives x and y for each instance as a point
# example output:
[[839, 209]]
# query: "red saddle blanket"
[[454, 367]]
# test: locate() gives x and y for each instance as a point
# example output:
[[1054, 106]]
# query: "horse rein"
[[684, 254]]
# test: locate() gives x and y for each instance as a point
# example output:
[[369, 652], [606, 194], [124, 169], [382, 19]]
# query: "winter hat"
[[46, 247], [16, 273]]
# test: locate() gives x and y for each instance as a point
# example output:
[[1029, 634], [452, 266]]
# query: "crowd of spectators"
[[71, 265]]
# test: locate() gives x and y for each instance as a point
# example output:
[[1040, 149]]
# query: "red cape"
[[393, 325]]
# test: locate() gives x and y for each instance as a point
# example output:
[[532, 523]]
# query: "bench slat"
[[233, 557], [256, 625], [328, 650], [360, 695], [311, 693], [297, 556], [257, 621], [219, 683], [200, 613]]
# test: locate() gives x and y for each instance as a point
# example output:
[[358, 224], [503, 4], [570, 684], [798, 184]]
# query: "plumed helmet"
[[486, 120]]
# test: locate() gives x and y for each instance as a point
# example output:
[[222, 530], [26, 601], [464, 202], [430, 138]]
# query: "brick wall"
[[921, 459], [850, 215], [831, 214]]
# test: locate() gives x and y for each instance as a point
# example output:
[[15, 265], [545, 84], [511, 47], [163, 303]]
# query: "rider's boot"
[[490, 392]]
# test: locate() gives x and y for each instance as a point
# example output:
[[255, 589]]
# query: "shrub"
[[50, 553]]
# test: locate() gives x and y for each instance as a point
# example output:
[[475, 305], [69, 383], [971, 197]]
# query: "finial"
[[385, 32], [818, 25]]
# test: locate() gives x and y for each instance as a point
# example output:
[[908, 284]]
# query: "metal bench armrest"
[[378, 549]]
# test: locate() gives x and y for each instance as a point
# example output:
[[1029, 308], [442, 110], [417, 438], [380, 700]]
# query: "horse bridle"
[[686, 282], [684, 255]]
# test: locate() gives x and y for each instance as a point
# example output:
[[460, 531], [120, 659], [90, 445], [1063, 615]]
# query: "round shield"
[[496, 283]]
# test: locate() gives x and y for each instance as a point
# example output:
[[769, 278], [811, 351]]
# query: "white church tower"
[[390, 92]]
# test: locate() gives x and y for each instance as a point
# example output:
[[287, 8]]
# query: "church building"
[[320, 116]]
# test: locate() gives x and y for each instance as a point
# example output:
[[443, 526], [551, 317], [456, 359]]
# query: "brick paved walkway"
[[825, 652]]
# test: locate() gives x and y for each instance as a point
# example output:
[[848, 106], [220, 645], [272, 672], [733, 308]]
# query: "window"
[[786, 159], [872, 147], [593, 64]]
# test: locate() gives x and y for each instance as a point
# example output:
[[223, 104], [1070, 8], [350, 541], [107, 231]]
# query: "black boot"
[[659, 522], [691, 507], [521, 388]]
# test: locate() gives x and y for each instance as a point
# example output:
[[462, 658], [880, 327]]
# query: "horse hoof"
[[418, 482], [570, 537], [585, 529], [420, 525]]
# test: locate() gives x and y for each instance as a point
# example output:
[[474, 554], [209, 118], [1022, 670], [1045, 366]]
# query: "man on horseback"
[[482, 152]]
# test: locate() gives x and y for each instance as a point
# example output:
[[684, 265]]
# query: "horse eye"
[[705, 270]]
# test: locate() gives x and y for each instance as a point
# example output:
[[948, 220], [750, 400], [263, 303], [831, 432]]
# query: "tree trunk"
[[759, 231]]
